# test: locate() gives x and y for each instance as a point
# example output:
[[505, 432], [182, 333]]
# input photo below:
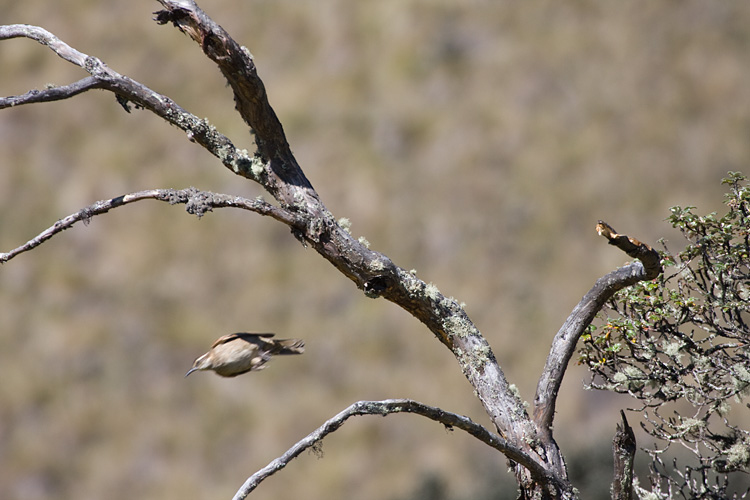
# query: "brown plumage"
[[239, 353]]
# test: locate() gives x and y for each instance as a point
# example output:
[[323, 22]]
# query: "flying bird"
[[239, 353]]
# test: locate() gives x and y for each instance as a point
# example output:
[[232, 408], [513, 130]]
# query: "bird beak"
[[191, 371]]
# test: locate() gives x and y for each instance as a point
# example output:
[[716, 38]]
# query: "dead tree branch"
[[564, 343], [198, 203], [623, 448], [371, 271], [128, 90], [387, 407]]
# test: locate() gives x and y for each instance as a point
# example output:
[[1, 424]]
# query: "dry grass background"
[[477, 142]]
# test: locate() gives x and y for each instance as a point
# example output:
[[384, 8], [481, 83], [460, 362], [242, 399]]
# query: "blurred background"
[[476, 142]]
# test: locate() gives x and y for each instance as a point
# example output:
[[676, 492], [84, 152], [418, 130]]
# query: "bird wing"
[[263, 335], [254, 338]]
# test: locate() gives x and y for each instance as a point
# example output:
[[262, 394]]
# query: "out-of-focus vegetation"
[[476, 142]]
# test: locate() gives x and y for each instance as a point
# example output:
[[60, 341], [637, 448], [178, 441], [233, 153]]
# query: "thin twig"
[[198, 203], [44, 37], [386, 407], [51, 93]]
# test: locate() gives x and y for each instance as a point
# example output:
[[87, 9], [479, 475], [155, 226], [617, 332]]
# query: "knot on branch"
[[377, 285], [85, 214], [634, 248]]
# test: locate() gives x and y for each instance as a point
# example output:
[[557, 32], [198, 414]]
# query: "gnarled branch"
[[275, 168]]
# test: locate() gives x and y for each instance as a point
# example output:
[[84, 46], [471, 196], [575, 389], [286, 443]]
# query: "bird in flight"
[[239, 353]]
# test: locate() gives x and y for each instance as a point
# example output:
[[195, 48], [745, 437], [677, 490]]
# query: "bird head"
[[201, 363]]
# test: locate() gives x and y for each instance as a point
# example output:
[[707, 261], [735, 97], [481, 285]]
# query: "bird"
[[239, 353]]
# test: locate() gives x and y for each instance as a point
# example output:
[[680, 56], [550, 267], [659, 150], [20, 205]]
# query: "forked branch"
[[274, 167], [372, 271], [128, 90]]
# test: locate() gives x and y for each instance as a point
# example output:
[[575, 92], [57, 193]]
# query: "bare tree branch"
[[286, 180], [50, 94], [198, 203], [44, 37], [564, 343], [387, 407], [127, 89], [634, 248]]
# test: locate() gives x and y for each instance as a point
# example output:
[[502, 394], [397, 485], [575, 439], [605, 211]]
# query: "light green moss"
[[741, 380], [345, 224], [459, 326], [414, 286], [432, 291], [690, 425], [377, 264], [738, 455], [723, 409], [672, 349], [257, 168]]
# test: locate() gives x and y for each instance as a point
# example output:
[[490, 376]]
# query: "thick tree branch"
[[198, 203], [564, 343], [238, 67], [387, 407]]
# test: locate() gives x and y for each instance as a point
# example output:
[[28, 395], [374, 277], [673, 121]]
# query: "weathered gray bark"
[[623, 448]]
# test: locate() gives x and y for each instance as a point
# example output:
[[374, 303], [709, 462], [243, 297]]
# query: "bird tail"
[[290, 346]]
